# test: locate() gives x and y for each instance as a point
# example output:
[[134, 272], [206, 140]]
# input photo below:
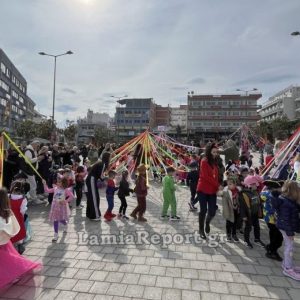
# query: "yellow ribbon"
[[21, 154]]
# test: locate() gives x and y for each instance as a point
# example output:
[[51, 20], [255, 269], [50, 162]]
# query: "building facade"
[[284, 103], [134, 116], [217, 116], [162, 115], [179, 118], [14, 101]]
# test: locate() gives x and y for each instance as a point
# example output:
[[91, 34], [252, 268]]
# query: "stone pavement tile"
[[68, 272], [83, 255], [111, 266], [142, 269], [241, 278], [206, 275], [224, 276], [31, 293], [252, 298], [121, 258], [182, 263], [166, 262], [262, 270], [66, 295], [260, 279], [54, 271], [66, 284], [188, 295], [173, 294], [295, 284], [83, 274], [157, 270], [110, 257], [214, 266], [51, 282], [248, 269], [114, 277], [126, 268], [154, 293], [173, 272], [190, 273], [166, 282], [219, 258], [293, 293], [200, 285], [147, 280], [48, 294], [210, 296], [238, 289], [84, 296], [278, 293], [117, 289], [218, 287], [182, 283], [277, 271], [279, 281], [138, 260], [152, 261], [131, 278], [83, 285], [84, 264], [99, 287], [189, 256], [230, 297], [204, 257], [103, 297], [200, 265], [229, 267], [99, 275], [257, 291], [135, 291]]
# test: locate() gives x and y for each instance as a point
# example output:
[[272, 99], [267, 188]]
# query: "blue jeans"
[[110, 202], [207, 203]]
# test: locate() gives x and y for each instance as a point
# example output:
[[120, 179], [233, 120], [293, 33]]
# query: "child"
[[273, 189], [231, 209], [110, 193], [124, 191], [251, 210], [79, 185], [169, 195], [60, 210], [13, 265], [18, 204], [287, 209], [141, 193], [192, 181]]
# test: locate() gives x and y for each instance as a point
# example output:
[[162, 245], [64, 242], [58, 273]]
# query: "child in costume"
[[79, 185], [141, 190], [273, 190], [192, 181], [12, 265], [123, 192], [231, 208], [169, 195], [110, 193], [288, 222], [251, 210], [18, 204], [60, 210]]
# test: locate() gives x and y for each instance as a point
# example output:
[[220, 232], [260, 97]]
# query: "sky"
[[149, 48]]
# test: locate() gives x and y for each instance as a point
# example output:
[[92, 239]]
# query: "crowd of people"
[[60, 175]]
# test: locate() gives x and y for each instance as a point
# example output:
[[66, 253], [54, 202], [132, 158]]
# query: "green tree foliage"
[[70, 131], [27, 130], [103, 135]]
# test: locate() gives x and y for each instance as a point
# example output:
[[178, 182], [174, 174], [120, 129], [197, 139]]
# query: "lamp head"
[[295, 33], [42, 53], [69, 52]]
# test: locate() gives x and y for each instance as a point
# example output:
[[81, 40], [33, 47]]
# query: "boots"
[[201, 227]]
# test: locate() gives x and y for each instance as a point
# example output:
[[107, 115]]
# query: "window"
[[7, 72], [3, 68], [17, 83], [13, 79], [4, 86], [14, 94], [3, 102], [21, 99], [18, 103], [14, 108]]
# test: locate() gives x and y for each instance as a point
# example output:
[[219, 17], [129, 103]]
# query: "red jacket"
[[208, 182]]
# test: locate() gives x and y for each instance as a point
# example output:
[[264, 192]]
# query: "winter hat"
[[273, 183], [249, 180]]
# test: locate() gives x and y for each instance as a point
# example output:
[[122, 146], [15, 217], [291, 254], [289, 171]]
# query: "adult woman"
[[208, 185], [93, 198]]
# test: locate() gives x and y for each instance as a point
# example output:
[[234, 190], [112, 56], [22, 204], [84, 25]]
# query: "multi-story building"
[[162, 115], [134, 116], [87, 126], [14, 101], [214, 116], [179, 118], [30, 109], [284, 103]]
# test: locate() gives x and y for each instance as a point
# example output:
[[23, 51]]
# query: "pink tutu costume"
[[13, 265]]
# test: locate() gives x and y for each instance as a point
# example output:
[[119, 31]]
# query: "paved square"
[[74, 270]]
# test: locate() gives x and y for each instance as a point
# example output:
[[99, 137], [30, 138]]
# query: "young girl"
[[124, 191], [13, 265], [141, 193], [288, 222], [60, 210], [79, 185], [231, 208], [110, 194]]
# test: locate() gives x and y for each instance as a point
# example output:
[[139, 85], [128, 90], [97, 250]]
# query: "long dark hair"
[[211, 160], [5, 211], [106, 159]]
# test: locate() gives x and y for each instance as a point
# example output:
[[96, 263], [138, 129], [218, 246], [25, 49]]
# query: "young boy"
[[231, 208], [192, 181], [110, 193], [251, 210], [273, 191], [169, 195]]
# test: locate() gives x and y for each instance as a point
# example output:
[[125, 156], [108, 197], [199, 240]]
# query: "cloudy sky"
[[149, 48]]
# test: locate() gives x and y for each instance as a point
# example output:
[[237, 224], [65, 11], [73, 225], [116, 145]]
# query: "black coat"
[[192, 179], [124, 189]]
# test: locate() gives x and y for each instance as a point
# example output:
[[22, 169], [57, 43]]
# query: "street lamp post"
[[119, 98], [246, 94], [54, 79]]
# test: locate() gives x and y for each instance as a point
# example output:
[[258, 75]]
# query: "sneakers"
[[235, 239], [55, 238], [174, 218], [125, 217], [202, 235], [163, 217], [292, 274], [260, 243], [274, 256], [79, 207], [248, 244]]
